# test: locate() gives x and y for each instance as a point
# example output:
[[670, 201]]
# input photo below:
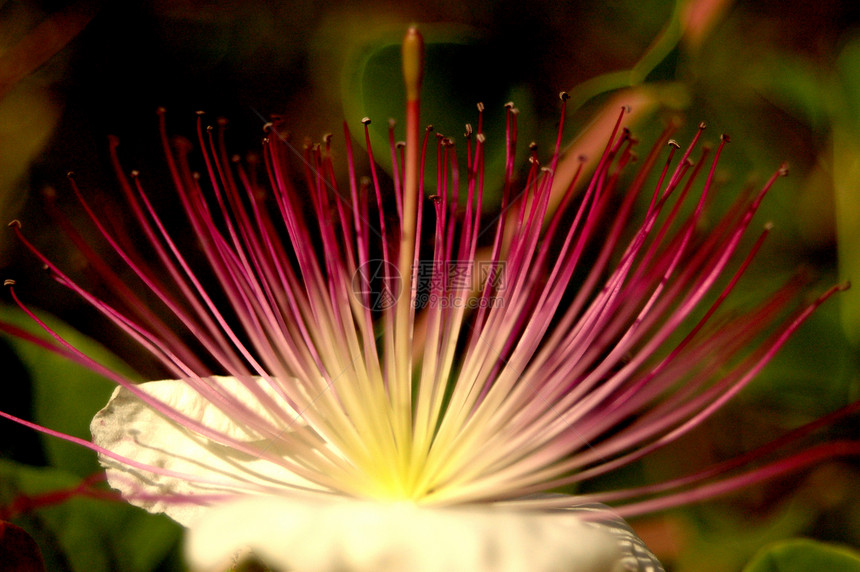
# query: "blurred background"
[[782, 77]]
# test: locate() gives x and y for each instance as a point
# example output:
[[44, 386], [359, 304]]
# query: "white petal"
[[129, 427], [636, 556], [311, 535]]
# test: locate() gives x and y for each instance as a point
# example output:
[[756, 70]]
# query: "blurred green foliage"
[[804, 556], [65, 395], [83, 533]]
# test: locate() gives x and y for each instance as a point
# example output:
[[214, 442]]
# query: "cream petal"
[[129, 427], [635, 554], [304, 535]]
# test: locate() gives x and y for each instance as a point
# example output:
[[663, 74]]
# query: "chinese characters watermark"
[[377, 284]]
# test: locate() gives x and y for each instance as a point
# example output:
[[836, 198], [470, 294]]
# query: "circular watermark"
[[377, 284]]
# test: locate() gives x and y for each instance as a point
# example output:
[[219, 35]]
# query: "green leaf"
[[82, 533], [849, 74], [803, 555], [65, 395], [812, 375], [795, 85], [28, 115], [846, 184], [712, 542], [846, 188]]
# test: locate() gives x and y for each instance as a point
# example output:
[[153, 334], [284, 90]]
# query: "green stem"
[[656, 53]]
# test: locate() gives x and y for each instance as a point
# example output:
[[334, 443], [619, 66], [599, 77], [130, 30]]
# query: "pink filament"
[[552, 386]]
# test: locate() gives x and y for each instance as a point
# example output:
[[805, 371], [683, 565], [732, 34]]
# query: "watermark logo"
[[377, 284], [469, 284]]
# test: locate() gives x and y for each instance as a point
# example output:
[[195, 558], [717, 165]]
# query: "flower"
[[382, 402]]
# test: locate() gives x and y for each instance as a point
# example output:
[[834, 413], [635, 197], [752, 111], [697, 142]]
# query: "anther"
[[235, 158], [391, 122], [626, 108], [365, 120], [200, 113], [725, 138], [14, 223], [509, 105], [564, 96], [8, 282], [468, 130], [70, 174], [327, 138], [481, 106], [267, 127], [702, 125], [768, 226], [673, 143], [481, 137], [783, 170], [533, 146], [400, 145], [428, 129], [134, 174]]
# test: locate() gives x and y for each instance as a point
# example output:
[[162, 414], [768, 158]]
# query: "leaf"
[[795, 85], [849, 74], [82, 533], [801, 555], [846, 185], [812, 375], [66, 396], [711, 540], [28, 117]]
